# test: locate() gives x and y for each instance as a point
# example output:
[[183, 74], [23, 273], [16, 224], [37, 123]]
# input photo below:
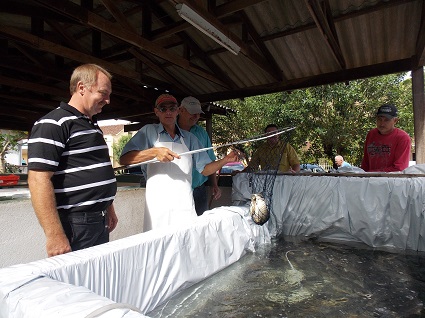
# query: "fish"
[[258, 209]]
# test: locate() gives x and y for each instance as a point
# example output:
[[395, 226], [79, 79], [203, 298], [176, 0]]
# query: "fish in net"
[[262, 171]]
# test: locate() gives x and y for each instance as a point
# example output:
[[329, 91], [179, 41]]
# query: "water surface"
[[308, 279]]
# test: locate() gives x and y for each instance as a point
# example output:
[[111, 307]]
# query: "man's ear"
[[80, 88]]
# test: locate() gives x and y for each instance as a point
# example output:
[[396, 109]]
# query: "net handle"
[[256, 138]]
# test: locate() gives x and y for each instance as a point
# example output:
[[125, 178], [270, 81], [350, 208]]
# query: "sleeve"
[[208, 144], [200, 159], [204, 140], [401, 154], [254, 163], [45, 147], [292, 156]]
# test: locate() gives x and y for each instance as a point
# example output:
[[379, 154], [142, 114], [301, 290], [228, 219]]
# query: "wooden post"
[[419, 113], [208, 125]]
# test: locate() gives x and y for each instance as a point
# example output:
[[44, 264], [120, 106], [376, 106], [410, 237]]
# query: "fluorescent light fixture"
[[207, 28]]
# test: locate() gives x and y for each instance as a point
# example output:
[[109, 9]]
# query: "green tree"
[[118, 146], [334, 119], [9, 141]]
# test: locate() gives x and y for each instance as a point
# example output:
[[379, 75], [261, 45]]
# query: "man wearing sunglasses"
[[169, 198]]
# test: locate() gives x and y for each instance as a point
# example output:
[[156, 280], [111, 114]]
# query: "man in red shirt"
[[387, 148]]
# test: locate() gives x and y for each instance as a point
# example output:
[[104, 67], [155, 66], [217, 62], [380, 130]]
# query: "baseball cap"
[[165, 98], [387, 110], [192, 105]]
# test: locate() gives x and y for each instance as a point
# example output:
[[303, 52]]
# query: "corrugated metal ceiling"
[[285, 44]]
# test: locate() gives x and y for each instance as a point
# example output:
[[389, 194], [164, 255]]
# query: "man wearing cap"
[[190, 111], [386, 148], [169, 198]]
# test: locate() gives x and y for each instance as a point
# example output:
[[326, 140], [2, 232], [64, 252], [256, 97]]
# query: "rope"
[[256, 138]]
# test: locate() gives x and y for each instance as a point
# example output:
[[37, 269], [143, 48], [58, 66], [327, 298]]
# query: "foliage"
[[9, 141], [330, 119], [118, 146], [10, 168]]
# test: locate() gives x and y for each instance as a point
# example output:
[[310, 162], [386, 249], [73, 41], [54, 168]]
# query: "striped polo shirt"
[[72, 146]]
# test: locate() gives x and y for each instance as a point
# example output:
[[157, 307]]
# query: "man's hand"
[[216, 192], [165, 155], [232, 156], [57, 245], [112, 218]]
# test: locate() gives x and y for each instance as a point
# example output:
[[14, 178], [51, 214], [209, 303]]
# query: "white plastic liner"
[[379, 211], [140, 271], [45, 297]]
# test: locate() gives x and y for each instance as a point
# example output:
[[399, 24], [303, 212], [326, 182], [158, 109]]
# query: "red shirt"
[[386, 153]]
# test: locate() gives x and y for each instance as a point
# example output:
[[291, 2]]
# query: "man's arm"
[[293, 159], [112, 218], [295, 168], [44, 204], [137, 156], [216, 191], [214, 166]]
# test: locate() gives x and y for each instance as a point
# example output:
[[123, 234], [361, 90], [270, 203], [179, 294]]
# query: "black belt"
[[84, 214]]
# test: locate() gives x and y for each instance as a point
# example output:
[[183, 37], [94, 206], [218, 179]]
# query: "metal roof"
[[150, 49]]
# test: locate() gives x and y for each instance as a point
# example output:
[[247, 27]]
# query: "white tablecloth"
[[379, 211]]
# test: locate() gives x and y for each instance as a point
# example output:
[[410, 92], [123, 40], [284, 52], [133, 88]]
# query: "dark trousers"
[[85, 229], [200, 197]]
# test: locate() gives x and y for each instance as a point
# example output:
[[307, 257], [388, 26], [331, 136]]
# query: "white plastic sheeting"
[[385, 212], [135, 273]]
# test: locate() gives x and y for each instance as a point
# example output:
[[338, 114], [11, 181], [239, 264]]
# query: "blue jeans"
[[85, 229], [200, 197]]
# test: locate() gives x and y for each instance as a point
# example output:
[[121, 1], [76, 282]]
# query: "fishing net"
[[262, 171]]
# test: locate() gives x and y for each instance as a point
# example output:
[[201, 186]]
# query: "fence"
[[325, 164]]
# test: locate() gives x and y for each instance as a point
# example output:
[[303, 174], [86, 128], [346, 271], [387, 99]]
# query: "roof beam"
[[261, 46], [158, 69], [118, 15], [188, 42], [323, 79], [122, 20], [79, 57], [91, 19], [34, 87], [209, 62], [245, 48], [320, 11], [70, 41], [419, 59], [234, 6]]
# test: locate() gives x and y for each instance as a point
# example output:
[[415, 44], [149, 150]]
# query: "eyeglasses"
[[164, 109]]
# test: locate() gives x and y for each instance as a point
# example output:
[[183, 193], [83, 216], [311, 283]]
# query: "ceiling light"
[[206, 27]]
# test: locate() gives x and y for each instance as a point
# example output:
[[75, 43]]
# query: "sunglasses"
[[164, 109]]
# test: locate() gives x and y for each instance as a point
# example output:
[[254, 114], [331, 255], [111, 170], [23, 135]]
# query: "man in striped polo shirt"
[[71, 179]]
